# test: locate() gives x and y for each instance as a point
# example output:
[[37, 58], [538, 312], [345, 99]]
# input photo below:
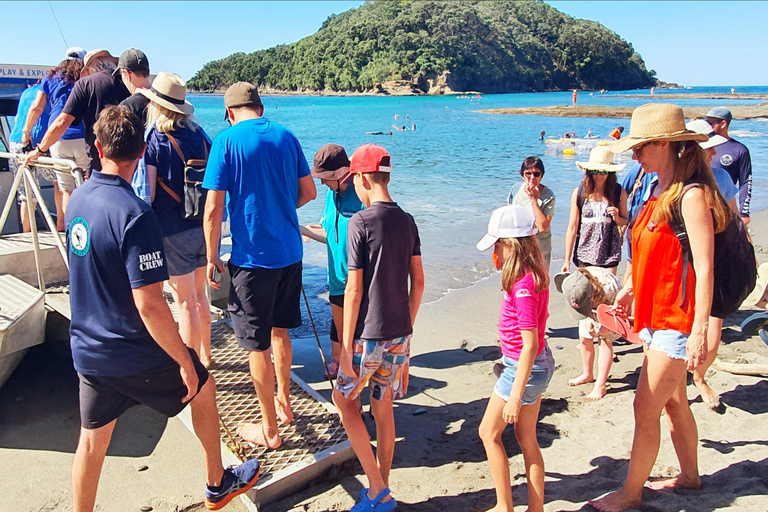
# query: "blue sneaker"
[[236, 480], [376, 505]]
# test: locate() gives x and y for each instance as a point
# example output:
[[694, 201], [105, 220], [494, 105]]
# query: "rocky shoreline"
[[738, 111]]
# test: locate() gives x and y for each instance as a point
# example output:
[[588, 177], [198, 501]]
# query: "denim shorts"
[[669, 341], [185, 251], [541, 374]]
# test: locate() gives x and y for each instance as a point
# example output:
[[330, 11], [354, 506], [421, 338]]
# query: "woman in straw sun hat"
[[170, 120], [675, 332], [598, 209]]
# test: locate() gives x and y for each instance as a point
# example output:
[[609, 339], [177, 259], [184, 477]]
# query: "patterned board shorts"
[[380, 365]]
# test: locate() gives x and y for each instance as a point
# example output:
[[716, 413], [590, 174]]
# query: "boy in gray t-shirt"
[[379, 310]]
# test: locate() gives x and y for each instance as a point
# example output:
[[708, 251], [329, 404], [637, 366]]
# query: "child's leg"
[[604, 361], [361, 442], [491, 428], [525, 432], [587, 348], [385, 434], [338, 321]]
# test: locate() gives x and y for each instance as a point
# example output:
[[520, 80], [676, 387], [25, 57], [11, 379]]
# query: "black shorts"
[[336, 300], [104, 399], [263, 298]]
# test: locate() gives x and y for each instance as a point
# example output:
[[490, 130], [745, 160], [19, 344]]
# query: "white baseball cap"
[[701, 126], [510, 221]]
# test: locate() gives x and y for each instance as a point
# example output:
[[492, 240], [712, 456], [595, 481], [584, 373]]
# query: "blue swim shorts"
[[669, 341], [541, 374]]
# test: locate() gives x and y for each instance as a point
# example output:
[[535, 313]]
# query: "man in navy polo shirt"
[[733, 156], [125, 345]]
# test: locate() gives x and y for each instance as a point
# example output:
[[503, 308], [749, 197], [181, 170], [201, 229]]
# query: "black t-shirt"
[[89, 97], [381, 241], [137, 103]]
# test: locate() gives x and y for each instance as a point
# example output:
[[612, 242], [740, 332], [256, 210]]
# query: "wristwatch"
[[42, 152]]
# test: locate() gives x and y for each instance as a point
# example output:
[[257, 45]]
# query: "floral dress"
[[599, 242]]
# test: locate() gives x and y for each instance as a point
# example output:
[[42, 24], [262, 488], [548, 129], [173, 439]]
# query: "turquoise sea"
[[460, 165]]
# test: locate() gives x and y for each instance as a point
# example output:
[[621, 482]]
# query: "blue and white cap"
[[510, 221]]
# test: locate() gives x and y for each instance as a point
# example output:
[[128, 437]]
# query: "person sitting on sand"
[[675, 333], [598, 210], [584, 290], [616, 133], [528, 362], [537, 199]]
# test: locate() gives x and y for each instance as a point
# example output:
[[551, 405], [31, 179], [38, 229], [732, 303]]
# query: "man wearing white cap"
[[733, 156]]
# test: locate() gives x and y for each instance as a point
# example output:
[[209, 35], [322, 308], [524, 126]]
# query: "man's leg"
[[263, 376], [86, 468], [205, 420], [283, 352]]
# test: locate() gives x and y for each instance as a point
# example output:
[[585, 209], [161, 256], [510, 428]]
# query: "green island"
[[439, 47]]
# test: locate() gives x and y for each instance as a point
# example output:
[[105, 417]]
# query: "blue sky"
[[690, 42]]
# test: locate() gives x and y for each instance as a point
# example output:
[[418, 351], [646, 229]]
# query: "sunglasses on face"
[[637, 149], [593, 172], [532, 174]]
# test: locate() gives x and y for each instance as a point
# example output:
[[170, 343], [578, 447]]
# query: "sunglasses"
[[593, 172], [534, 174], [637, 149]]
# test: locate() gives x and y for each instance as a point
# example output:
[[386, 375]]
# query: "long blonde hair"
[[166, 120], [692, 165], [525, 257]]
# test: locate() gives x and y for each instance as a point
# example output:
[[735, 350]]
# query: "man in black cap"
[[90, 95], [133, 68], [261, 165], [733, 156]]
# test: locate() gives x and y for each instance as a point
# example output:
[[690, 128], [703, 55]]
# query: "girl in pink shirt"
[[528, 362]]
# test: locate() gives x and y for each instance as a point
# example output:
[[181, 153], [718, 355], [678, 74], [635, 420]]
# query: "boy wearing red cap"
[[379, 311]]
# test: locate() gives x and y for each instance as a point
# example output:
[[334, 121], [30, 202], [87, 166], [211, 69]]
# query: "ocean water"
[[460, 165]]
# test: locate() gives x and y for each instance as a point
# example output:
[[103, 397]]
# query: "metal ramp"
[[22, 322]]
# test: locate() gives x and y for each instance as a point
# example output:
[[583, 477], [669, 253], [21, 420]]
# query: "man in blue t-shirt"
[[125, 345], [331, 167], [262, 168], [733, 156]]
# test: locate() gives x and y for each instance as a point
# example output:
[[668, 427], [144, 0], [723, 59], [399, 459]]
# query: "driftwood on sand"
[[758, 370], [738, 111]]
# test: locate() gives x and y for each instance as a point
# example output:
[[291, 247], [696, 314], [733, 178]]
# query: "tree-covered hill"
[[441, 46]]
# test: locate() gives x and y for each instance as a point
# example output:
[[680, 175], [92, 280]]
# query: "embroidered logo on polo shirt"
[[80, 236], [150, 260], [726, 160]]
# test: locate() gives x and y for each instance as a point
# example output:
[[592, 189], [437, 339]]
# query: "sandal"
[[375, 505], [332, 371]]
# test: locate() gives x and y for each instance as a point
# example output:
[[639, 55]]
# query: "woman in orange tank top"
[[675, 332]]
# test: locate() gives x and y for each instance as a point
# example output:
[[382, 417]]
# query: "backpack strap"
[[631, 197], [678, 227], [164, 185]]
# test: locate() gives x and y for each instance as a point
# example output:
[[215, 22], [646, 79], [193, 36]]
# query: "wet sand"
[[738, 111], [439, 461]]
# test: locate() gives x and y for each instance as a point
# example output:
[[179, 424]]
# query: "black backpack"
[[735, 265]]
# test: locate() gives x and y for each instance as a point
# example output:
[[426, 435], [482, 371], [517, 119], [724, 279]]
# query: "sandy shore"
[[439, 462], [738, 111]]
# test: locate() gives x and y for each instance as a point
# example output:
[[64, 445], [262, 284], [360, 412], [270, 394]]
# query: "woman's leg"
[[204, 315], [59, 206], [660, 378], [708, 396], [604, 362], [491, 428], [183, 291], [685, 438], [587, 348], [525, 432]]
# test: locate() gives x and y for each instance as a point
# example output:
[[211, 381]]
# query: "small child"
[[331, 166], [528, 362], [379, 310], [584, 290]]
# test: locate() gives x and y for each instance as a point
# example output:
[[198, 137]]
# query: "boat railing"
[[30, 184]]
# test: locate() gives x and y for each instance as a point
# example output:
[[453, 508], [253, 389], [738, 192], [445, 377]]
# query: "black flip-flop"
[[754, 323]]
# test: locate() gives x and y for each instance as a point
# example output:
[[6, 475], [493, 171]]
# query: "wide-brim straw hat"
[[600, 159], [169, 91], [656, 122]]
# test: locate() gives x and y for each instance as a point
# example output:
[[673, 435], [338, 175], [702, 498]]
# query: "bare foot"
[[708, 396], [256, 433], [596, 394], [614, 502], [581, 379], [284, 412], [677, 482]]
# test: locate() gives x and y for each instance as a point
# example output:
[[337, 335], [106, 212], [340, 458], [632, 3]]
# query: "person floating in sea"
[[542, 134], [331, 167], [126, 347], [397, 116], [401, 129], [567, 135], [413, 126], [616, 133], [265, 266], [528, 364], [381, 300]]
